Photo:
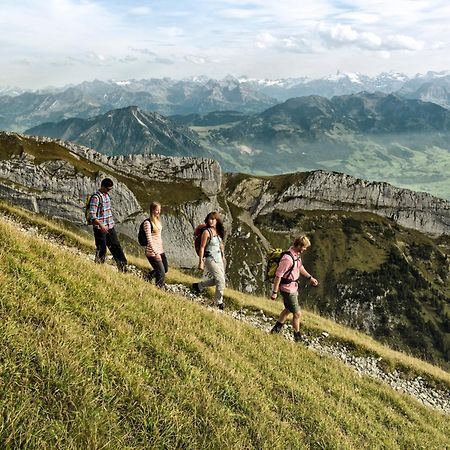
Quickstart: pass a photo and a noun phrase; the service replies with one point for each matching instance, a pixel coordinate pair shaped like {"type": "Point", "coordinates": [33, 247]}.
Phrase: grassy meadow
{"type": "Point", "coordinates": [92, 358]}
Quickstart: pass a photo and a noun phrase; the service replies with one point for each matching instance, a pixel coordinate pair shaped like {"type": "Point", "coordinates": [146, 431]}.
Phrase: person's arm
{"type": "Point", "coordinates": [276, 287]}
{"type": "Point", "coordinates": [201, 252]}
{"type": "Point", "coordinates": [222, 249]}
{"type": "Point", "coordinates": [311, 279]}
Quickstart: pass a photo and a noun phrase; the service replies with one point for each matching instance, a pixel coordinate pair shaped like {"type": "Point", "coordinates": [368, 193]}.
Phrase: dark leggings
{"type": "Point", "coordinates": [160, 268]}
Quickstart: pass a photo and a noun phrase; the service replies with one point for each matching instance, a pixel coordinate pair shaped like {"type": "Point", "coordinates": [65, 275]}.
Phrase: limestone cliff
{"type": "Point", "coordinates": [321, 190]}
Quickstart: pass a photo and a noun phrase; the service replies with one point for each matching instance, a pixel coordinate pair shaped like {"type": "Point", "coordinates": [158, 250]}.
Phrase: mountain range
{"type": "Point", "coordinates": [165, 96]}
{"type": "Point", "coordinates": [20, 110]}
{"type": "Point", "coordinates": [374, 136]}
{"type": "Point", "coordinates": [127, 131]}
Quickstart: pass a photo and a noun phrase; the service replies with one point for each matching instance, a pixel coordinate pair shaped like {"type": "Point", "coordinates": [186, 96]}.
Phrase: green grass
{"type": "Point", "coordinates": [91, 358]}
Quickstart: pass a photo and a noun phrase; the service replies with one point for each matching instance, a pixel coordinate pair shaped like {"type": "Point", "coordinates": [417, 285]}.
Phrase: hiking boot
{"type": "Point", "coordinates": [196, 288]}
{"type": "Point", "coordinates": [221, 306]}
{"type": "Point", "coordinates": [277, 328]}
{"type": "Point", "coordinates": [297, 336]}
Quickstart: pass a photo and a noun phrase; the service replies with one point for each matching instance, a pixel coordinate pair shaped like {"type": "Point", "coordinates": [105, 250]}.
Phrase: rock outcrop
{"type": "Point", "coordinates": [322, 190]}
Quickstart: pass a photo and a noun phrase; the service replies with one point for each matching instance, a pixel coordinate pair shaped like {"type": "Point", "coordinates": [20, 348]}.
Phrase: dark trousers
{"type": "Point", "coordinates": [160, 268]}
{"type": "Point", "coordinates": [110, 240]}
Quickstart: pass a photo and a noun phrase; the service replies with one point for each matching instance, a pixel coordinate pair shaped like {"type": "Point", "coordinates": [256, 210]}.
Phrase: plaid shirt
{"type": "Point", "coordinates": [101, 212]}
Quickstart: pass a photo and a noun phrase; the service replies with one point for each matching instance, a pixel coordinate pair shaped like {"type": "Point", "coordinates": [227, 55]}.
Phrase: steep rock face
{"type": "Point", "coordinates": [57, 185]}
{"type": "Point", "coordinates": [202, 172]}
{"type": "Point", "coordinates": [321, 190]}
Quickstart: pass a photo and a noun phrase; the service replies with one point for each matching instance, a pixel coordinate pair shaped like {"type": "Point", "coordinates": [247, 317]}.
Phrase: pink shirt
{"type": "Point", "coordinates": [284, 266]}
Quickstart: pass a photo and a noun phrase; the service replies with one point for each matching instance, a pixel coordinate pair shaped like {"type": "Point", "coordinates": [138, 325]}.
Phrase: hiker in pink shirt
{"type": "Point", "coordinates": [286, 279]}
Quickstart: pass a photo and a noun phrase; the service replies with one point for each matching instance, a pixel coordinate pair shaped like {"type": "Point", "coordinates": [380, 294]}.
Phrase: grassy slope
{"type": "Point", "coordinates": [92, 358]}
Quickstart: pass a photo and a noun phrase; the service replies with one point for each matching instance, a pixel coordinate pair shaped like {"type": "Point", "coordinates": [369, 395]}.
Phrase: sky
{"type": "Point", "coordinates": [58, 42]}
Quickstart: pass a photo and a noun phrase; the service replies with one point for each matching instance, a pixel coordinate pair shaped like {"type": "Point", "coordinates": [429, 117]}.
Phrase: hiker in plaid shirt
{"type": "Point", "coordinates": [103, 224]}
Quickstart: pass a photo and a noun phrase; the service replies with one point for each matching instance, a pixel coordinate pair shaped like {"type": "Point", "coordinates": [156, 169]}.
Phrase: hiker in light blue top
{"type": "Point", "coordinates": [211, 257]}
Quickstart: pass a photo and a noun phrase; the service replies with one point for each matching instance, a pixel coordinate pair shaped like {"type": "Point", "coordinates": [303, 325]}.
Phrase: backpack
{"type": "Point", "coordinates": [142, 237]}
{"type": "Point", "coordinates": [87, 207]}
{"type": "Point", "coordinates": [273, 259]}
{"type": "Point", "coordinates": [198, 236]}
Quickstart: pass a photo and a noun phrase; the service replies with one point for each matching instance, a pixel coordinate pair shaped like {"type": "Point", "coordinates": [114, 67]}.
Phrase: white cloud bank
{"type": "Point", "coordinates": [86, 39]}
{"type": "Point", "coordinates": [345, 35]}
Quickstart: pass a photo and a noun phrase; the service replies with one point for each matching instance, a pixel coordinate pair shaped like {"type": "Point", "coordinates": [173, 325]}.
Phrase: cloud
{"type": "Point", "coordinates": [293, 44]}
{"type": "Point", "coordinates": [359, 17]}
{"type": "Point", "coordinates": [265, 40]}
{"type": "Point", "coordinates": [402, 42]}
{"type": "Point", "coordinates": [155, 58]}
{"type": "Point", "coordinates": [144, 51]}
{"type": "Point", "coordinates": [94, 59]}
{"type": "Point", "coordinates": [345, 35]}
{"type": "Point", "coordinates": [164, 61]}
{"type": "Point", "coordinates": [257, 37]}
{"type": "Point", "coordinates": [23, 62]}
{"type": "Point", "coordinates": [128, 59]}
{"type": "Point", "coordinates": [438, 45]}
{"type": "Point", "coordinates": [197, 59]}
{"type": "Point", "coordinates": [237, 13]}
{"type": "Point", "coordinates": [170, 32]}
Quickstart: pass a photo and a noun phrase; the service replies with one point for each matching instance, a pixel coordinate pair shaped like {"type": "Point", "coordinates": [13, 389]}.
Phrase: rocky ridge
{"type": "Point", "coordinates": [320, 190]}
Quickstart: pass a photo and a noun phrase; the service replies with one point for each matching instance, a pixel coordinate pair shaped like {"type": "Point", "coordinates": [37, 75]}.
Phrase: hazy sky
{"type": "Point", "coordinates": [55, 42]}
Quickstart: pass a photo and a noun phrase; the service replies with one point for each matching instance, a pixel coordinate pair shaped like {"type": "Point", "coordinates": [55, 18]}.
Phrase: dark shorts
{"type": "Point", "coordinates": [291, 301]}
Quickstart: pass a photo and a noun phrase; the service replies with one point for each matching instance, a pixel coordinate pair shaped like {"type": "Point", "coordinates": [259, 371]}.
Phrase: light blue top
{"type": "Point", "coordinates": [213, 249]}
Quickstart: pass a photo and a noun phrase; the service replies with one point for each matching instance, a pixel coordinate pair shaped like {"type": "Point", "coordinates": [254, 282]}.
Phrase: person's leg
{"type": "Point", "coordinates": [296, 321]}
{"type": "Point", "coordinates": [208, 278]}
{"type": "Point", "coordinates": [217, 272]}
{"type": "Point", "coordinates": [294, 307]}
{"type": "Point", "coordinates": [159, 271]}
{"type": "Point", "coordinates": [290, 301]}
{"type": "Point", "coordinates": [152, 272]}
{"type": "Point", "coordinates": [100, 244]}
{"type": "Point", "coordinates": [165, 263]}
{"type": "Point", "coordinates": [220, 283]}
{"type": "Point", "coordinates": [112, 241]}
{"type": "Point", "coordinates": [281, 321]}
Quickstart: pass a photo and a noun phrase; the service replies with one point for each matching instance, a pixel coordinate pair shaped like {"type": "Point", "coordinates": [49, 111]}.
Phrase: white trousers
{"type": "Point", "coordinates": [214, 275]}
